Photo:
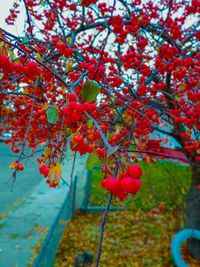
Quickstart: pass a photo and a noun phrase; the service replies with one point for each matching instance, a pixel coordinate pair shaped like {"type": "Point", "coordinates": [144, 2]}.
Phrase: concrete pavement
{"type": "Point", "coordinates": [25, 183]}
{"type": "Point", "coordinates": [36, 210]}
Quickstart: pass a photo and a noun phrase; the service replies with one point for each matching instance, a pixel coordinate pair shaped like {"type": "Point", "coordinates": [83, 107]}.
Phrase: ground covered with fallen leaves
{"type": "Point", "coordinates": [130, 239]}
{"type": "Point", "coordinates": [141, 234]}
{"type": "Point", "coordinates": [136, 236]}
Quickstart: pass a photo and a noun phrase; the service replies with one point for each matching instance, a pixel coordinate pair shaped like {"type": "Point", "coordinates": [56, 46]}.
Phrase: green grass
{"type": "Point", "coordinates": [164, 183]}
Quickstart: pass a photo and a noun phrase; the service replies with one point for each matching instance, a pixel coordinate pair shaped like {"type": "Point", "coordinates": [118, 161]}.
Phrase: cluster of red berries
{"type": "Point", "coordinates": [32, 70]}
{"type": "Point", "coordinates": [87, 2]}
{"type": "Point", "coordinates": [91, 67]}
{"type": "Point", "coordinates": [127, 183]}
{"type": "Point", "coordinates": [62, 48]}
{"type": "Point", "coordinates": [18, 166]}
{"type": "Point", "coordinates": [53, 184]}
{"type": "Point", "coordinates": [44, 170]}
{"type": "Point", "coordinates": [155, 211]}
{"type": "Point", "coordinates": [79, 144]}
{"type": "Point", "coordinates": [73, 111]}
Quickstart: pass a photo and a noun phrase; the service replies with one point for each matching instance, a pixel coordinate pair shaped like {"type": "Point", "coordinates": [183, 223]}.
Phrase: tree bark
{"type": "Point", "coordinates": [192, 215]}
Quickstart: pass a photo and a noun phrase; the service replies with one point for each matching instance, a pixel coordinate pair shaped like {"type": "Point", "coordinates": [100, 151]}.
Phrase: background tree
{"type": "Point", "coordinates": [109, 74]}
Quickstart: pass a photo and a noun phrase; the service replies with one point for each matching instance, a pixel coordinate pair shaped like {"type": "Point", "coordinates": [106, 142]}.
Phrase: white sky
{"type": "Point", "coordinates": [5, 5]}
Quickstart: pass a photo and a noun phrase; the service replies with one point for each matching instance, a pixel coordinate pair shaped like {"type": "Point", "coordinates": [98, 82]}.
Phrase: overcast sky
{"type": "Point", "coordinates": [5, 5]}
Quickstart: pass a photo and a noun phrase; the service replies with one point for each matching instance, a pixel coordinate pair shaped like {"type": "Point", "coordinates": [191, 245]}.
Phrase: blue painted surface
{"type": "Point", "coordinates": [177, 242]}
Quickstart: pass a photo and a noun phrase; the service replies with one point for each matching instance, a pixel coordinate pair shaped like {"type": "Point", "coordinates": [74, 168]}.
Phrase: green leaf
{"type": "Point", "coordinates": [89, 123]}
{"type": "Point", "coordinates": [90, 91]}
{"type": "Point", "coordinates": [52, 114]}
{"type": "Point", "coordinates": [25, 41]}
{"type": "Point", "coordinates": [92, 161]}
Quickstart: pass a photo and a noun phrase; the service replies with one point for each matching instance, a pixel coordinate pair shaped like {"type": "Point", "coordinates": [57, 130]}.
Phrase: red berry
{"type": "Point", "coordinates": [41, 168]}
{"type": "Point", "coordinates": [121, 194]}
{"type": "Point", "coordinates": [78, 138]}
{"type": "Point", "coordinates": [45, 171]}
{"type": "Point", "coordinates": [80, 108]}
{"type": "Point", "coordinates": [135, 171]}
{"type": "Point", "coordinates": [197, 158]}
{"type": "Point", "coordinates": [72, 105]}
{"type": "Point", "coordinates": [90, 148]}
{"type": "Point", "coordinates": [154, 211]}
{"type": "Point", "coordinates": [131, 185]}
{"type": "Point", "coordinates": [160, 207]}
{"type": "Point", "coordinates": [76, 116]}
{"type": "Point", "coordinates": [72, 97]}
{"type": "Point", "coordinates": [103, 183]}
{"type": "Point", "coordinates": [32, 65]}
{"type": "Point", "coordinates": [20, 167]}
{"type": "Point", "coordinates": [113, 185]}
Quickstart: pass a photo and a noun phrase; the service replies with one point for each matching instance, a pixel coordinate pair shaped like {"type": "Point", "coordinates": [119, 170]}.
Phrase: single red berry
{"type": "Point", "coordinates": [103, 183]}
{"type": "Point", "coordinates": [154, 211]}
{"type": "Point", "coordinates": [135, 171]}
{"type": "Point", "coordinates": [78, 138]}
{"type": "Point", "coordinates": [20, 167]}
{"type": "Point", "coordinates": [90, 148]}
{"type": "Point", "coordinates": [41, 168]}
{"type": "Point", "coordinates": [45, 171]}
{"type": "Point", "coordinates": [197, 158]}
{"type": "Point", "coordinates": [131, 185]}
{"type": "Point", "coordinates": [32, 65]}
{"type": "Point", "coordinates": [113, 185]}
{"type": "Point", "coordinates": [76, 116]}
{"type": "Point", "coordinates": [160, 207]}
{"type": "Point", "coordinates": [80, 108]}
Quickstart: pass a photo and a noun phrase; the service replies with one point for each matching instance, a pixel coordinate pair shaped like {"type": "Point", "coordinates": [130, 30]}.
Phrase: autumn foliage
{"type": "Point", "coordinates": [102, 77]}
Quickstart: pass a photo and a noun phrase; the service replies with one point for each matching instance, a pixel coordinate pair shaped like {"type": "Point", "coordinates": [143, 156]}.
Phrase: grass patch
{"type": "Point", "coordinates": [163, 183]}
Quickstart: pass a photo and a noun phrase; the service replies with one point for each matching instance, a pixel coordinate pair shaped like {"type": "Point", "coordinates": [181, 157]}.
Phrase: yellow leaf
{"type": "Point", "coordinates": [55, 172]}
{"type": "Point", "coordinates": [62, 222]}
{"type": "Point", "coordinates": [11, 55]}
{"type": "Point", "coordinates": [1, 43]}
{"type": "Point", "coordinates": [182, 86]}
{"type": "Point", "coordinates": [7, 48]}
{"type": "Point", "coordinates": [68, 40]}
{"type": "Point", "coordinates": [74, 134]}
{"type": "Point", "coordinates": [26, 90]}
{"type": "Point", "coordinates": [38, 57]}
{"type": "Point", "coordinates": [69, 65]}
{"type": "Point", "coordinates": [45, 106]}
{"type": "Point", "coordinates": [12, 166]}
{"type": "Point", "coordinates": [118, 125]}
{"type": "Point", "coordinates": [47, 151]}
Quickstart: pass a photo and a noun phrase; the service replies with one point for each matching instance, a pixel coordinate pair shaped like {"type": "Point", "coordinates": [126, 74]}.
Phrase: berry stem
{"type": "Point", "coordinates": [102, 229]}
{"type": "Point", "coordinates": [104, 218]}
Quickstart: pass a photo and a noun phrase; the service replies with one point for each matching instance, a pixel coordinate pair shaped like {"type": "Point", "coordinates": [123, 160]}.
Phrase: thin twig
{"type": "Point", "coordinates": [106, 39]}
{"type": "Point", "coordinates": [28, 18]}
{"type": "Point", "coordinates": [104, 218]}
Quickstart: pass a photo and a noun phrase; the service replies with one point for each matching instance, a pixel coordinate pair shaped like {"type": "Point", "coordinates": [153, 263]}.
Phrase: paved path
{"type": "Point", "coordinates": [33, 216]}
{"type": "Point", "coordinates": [25, 183]}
